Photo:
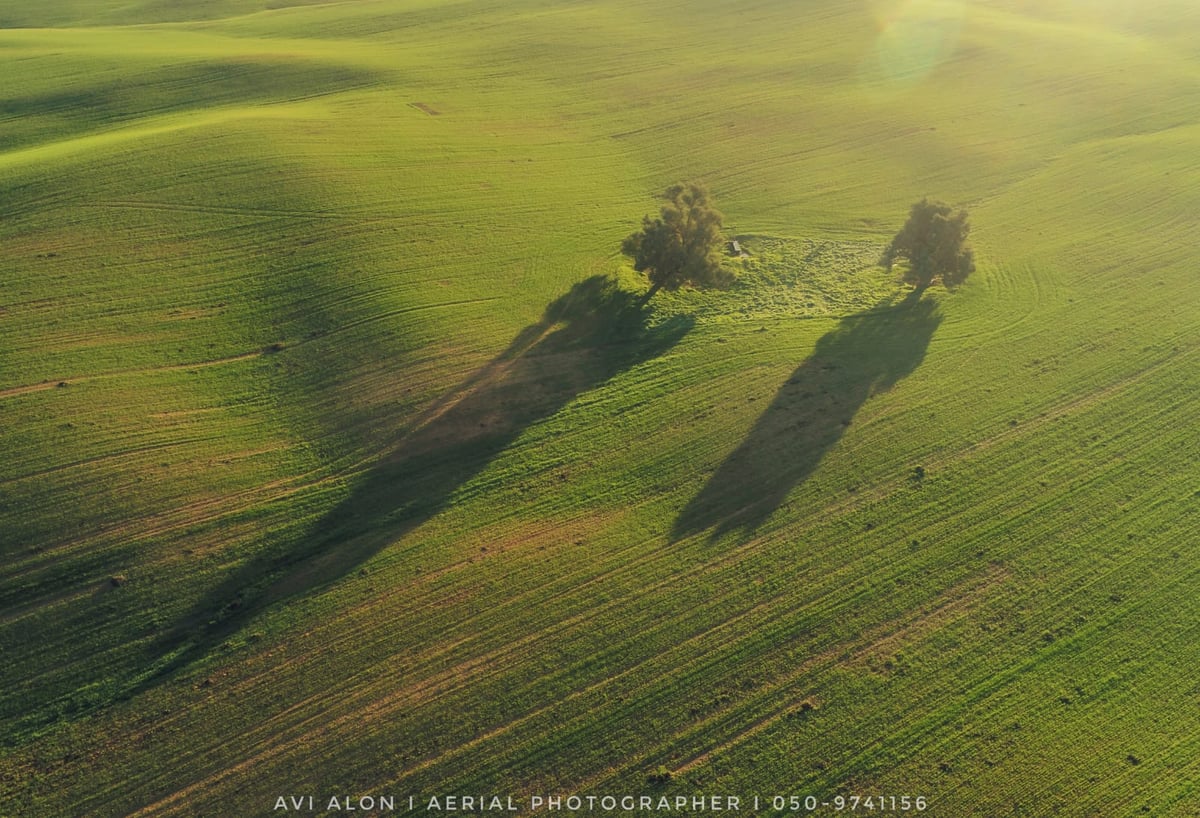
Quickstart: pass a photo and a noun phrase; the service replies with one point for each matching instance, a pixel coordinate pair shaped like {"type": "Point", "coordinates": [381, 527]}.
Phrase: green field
{"type": "Point", "coordinates": [338, 458]}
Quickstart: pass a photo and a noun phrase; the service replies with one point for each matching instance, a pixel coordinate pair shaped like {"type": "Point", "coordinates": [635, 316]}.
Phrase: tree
{"type": "Point", "coordinates": [681, 245]}
{"type": "Point", "coordinates": [935, 244]}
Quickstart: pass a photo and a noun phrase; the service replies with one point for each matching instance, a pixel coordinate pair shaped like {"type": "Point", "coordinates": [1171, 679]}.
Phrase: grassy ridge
{"type": "Point", "coordinates": [393, 514]}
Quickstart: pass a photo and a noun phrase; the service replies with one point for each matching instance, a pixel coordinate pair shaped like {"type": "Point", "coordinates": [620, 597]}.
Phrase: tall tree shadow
{"type": "Point", "coordinates": [583, 339]}
{"type": "Point", "coordinates": [865, 354]}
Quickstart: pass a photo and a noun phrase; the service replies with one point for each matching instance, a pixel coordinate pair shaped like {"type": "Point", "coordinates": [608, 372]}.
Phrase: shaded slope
{"type": "Point", "coordinates": [51, 113]}
{"type": "Point", "coordinates": [1004, 636]}
{"type": "Point", "coordinates": [583, 339]}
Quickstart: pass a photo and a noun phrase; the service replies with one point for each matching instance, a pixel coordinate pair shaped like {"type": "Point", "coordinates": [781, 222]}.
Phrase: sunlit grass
{"type": "Point", "coordinates": [313, 481]}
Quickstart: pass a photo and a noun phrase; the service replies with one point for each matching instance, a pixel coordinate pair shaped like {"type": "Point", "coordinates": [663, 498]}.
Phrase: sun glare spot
{"type": "Point", "coordinates": [915, 36]}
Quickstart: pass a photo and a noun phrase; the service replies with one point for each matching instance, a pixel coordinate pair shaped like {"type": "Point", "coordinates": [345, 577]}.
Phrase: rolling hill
{"type": "Point", "coordinates": [340, 459]}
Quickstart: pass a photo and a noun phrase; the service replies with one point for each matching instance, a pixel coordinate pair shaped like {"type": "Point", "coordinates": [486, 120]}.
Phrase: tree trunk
{"type": "Point", "coordinates": [650, 293]}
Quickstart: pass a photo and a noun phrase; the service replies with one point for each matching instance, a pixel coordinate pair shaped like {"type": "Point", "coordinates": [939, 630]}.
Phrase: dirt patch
{"type": "Point", "coordinates": [424, 108]}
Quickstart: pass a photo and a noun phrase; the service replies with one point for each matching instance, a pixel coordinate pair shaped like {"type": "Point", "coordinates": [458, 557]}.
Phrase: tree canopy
{"type": "Point", "coordinates": [935, 244]}
{"type": "Point", "coordinates": [682, 245]}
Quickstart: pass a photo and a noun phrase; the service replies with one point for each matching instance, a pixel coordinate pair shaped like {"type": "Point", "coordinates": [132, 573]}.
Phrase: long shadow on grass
{"type": "Point", "coordinates": [863, 355]}
{"type": "Point", "coordinates": [583, 339]}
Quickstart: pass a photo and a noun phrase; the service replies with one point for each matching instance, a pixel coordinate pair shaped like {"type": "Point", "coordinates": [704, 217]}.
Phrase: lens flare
{"type": "Point", "coordinates": [915, 36]}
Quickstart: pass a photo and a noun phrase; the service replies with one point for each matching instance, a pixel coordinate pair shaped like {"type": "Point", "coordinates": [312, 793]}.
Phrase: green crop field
{"type": "Point", "coordinates": [339, 457]}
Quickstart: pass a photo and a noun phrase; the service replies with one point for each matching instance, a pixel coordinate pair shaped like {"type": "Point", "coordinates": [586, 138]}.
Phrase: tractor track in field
{"type": "Point", "coordinates": [33, 387]}
{"type": "Point", "coordinates": [469, 672]}
{"type": "Point", "coordinates": [472, 670]}
{"type": "Point", "coordinates": [1009, 291]}
{"type": "Point", "coordinates": [189, 515]}
{"type": "Point", "coordinates": [438, 684]}
{"type": "Point", "coordinates": [248, 212]}
{"type": "Point", "coordinates": [705, 646]}
{"type": "Point", "coordinates": [1047, 416]}
{"type": "Point", "coordinates": [956, 602]}
{"type": "Point", "coordinates": [948, 607]}
{"type": "Point", "coordinates": [728, 639]}
{"type": "Point", "coordinates": [101, 458]}
{"type": "Point", "coordinates": [69, 381]}
{"type": "Point", "coordinates": [445, 682]}
{"type": "Point", "coordinates": [755, 728]}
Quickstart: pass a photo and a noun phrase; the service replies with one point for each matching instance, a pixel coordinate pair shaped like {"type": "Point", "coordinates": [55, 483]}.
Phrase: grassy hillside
{"type": "Point", "coordinates": [340, 459]}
